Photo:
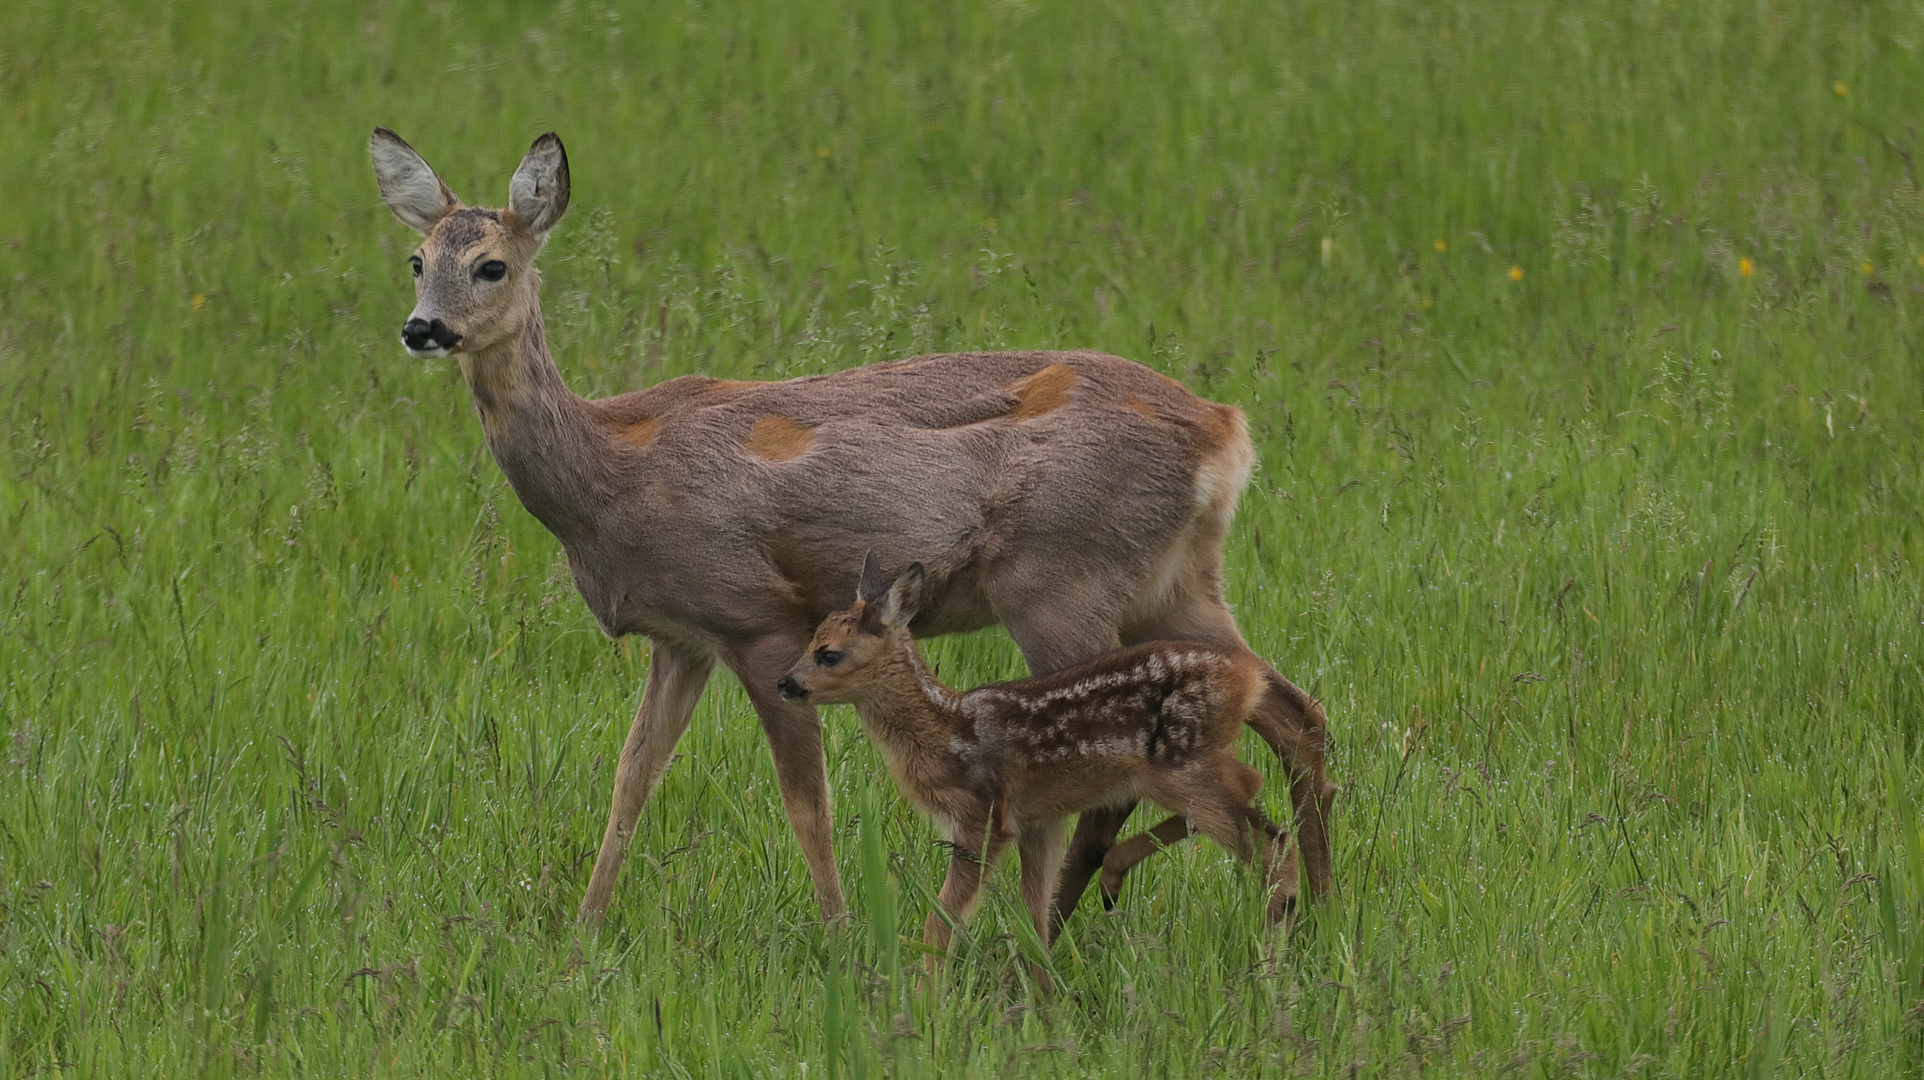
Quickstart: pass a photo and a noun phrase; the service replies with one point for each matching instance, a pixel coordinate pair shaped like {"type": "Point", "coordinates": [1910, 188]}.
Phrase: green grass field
{"type": "Point", "coordinates": [1583, 348]}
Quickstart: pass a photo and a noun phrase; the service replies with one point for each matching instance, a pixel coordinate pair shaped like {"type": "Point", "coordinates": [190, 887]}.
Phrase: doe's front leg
{"type": "Point", "coordinates": [795, 740]}
{"type": "Point", "coordinates": [676, 677]}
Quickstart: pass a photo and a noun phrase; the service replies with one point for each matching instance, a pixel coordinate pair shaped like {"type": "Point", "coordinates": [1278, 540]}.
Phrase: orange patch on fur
{"type": "Point", "coordinates": [1141, 408]}
{"type": "Point", "coordinates": [778, 438]}
{"type": "Point", "coordinates": [1042, 393]}
{"type": "Point", "coordinates": [641, 432]}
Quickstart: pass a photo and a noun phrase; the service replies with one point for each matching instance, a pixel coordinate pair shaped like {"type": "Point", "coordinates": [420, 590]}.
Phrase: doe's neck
{"type": "Point", "coordinates": [541, 432]}
{"type": "Point", "coordinates": [515, 375]}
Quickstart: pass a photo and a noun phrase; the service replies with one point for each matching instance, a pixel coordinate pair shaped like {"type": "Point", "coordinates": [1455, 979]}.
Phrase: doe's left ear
{"type": "Point", "coordinates": [408, 186]}
{"type": "Point", "coordinates": [538, 194]}
{"type": "Point", "coordinates": [905, 597]}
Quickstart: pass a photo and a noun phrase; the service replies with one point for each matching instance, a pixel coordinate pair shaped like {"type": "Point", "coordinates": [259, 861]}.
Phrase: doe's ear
{"type": "Point", "coordinates": [410, 189]}
{"type": "Point", "coordinates": [904, 599]}
{"type": "Point", "coordinates": [538, 194]}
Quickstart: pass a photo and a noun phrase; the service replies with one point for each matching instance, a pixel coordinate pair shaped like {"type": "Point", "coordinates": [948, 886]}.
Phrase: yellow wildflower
{"type": "Point", "coordinates": [1866, 269]}
{"type": "Point", "coordinates": [1516, 273]}
{"type": "Point", "coordinates": [1743, 267]}
{"type": "Point", "coordinates": [1441, 246]}
{"type": "Point", "coordinates": [200, 299]}
{"type": "Point", "coordinates": [1839, 88]}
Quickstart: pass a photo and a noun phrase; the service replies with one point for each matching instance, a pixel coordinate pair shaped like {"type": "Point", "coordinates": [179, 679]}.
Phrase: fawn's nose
{"type": "Point", "coordinates": [790, 689]}
{"type": "Point", "coordinates": [421, 334]}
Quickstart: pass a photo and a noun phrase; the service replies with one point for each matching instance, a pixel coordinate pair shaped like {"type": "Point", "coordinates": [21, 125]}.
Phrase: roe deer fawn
{"type": "Point", "coordinates": [1009, 762]}
{"type": "Point", "coordinates": [1079, 499]}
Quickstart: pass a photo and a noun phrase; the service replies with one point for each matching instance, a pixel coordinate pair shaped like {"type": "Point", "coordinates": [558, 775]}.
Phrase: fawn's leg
{"type": "Point", "coordinates": [1041, 849]}
{"type": "Point", "coordinates": [970, 860]}
{"type": "Point", "coordinates": [960, 890]}
{"type": "Point", "coordinates": [1193, 612]}
{"type": "Point", "coordinates": [1215, 797]}
{"type": "Point", "coordinates": [1278, 863]}
{"type": "Point", "coordinates": [1058, 622]}
{"type": "Point", "coordinates": [1243, 782]}
{"type": "Point", "coordinates": [1094, 839]}
{"type": "Point", "coordinates": [1124, 856]}
{"type": "Point", "coordinates": [1221, 807]}
{"type": "Point", "coordinates": [675, 681]}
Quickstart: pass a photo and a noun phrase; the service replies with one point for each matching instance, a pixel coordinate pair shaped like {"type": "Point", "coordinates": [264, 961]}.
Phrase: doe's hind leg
{"type": "Point", "coordinates": [1293, 724]}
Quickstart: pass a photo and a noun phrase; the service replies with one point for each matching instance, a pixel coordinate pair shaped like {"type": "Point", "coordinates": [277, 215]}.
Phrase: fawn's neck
{"type": "Point", "coordinates": [539, 431]}
{"type": "Point", "coordinates": [907, 709]}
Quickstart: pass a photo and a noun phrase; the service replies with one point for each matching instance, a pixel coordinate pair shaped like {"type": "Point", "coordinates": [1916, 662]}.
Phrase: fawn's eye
{"type": "Point", "coordinates": [415, 261]}
{"type": "Point", "coordinates": [827, 657]}
{"type": "Point", "coordinates": [492, 270]}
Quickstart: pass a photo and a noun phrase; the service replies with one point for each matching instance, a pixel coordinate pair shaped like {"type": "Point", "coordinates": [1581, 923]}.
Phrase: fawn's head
{"type": "Point", "coordinates": [842, 658]}
{"type": "Point", "coordinates": [474, 276]}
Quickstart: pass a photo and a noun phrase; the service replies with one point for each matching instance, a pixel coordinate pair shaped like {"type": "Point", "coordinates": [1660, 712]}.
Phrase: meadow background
{"type": "Point", "coordinates": [1582, 346]}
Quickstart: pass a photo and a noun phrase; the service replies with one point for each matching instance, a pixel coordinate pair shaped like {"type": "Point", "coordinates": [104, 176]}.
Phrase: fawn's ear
{"type": "Point", "coordinates": [904, 598]}
{"type": "Point", "coordinates": [538, 194]}
{"type": "Point", "coordinates": [410, 189]}
{"type": "Point", "coordinates": [874, 587]}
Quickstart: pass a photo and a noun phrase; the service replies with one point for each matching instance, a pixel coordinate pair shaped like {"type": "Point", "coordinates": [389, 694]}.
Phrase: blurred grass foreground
{"type": "Point", "coordinates": [1582, 346]}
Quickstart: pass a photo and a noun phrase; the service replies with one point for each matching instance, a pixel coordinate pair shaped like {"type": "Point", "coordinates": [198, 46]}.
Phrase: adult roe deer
{"type": "Point", "coordinates": [1009, 762]}
{"type": "Point", "coordinates": [1078, 499]}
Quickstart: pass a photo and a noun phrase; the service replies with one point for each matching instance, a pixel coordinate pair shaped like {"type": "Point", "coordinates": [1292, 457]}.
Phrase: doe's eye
{"type": "Point", "coordinates": [827, 657]}
{"type": "Point", "coordinates": [415, 262]}
{"type": "Point", "coordinates": [492, 270]}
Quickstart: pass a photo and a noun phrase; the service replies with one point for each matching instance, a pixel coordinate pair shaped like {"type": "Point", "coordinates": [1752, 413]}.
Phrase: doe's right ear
{"type": "Point", "coordinates": [408, 186]}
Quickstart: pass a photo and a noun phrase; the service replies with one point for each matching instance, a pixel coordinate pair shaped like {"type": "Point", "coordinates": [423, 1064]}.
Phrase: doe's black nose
{"type": "Point", "coordinates": [420, 333]}
{"type": "Point", "coordinates": [790, 689]}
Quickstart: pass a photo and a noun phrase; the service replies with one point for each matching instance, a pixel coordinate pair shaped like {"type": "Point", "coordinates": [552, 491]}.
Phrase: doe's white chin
{"type": "Point", "coordinates": [432, 352]}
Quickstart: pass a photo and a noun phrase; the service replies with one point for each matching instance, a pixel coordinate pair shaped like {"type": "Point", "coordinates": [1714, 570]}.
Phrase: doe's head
{"type": "Point", "coordinates": [842, 658]}
{"type": "Point", "coordinates": [474, 276]}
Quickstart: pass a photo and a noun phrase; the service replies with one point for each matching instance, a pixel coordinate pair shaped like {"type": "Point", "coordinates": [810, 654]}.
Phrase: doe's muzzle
{"type": "Point", "coordinates": [422, 335]}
